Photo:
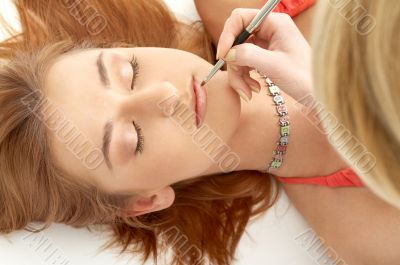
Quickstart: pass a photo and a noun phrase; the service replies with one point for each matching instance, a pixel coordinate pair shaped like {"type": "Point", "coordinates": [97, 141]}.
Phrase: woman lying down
{"type": "Point", "coordinates": [99, 125]}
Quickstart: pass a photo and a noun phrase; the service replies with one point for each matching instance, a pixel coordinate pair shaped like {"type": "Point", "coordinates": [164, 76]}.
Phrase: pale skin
{"type": "Point", "coordinates": [360, 227]}
{"type": "Point", "coordinates": [74, 86]}
{"type": "Point", "coordinates": [215, 13]}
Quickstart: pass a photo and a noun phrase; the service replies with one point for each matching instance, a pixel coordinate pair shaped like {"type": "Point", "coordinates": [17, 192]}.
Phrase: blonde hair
{"type": "Point", "coordinates": [209, 214]}
{"type": "Point", "coordinates": [357, 75]}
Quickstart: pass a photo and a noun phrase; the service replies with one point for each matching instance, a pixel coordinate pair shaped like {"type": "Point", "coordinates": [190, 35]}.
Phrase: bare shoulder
{"type": "Point", "coordinates": [215, 13]}
{"type": "Point", "coordinates": [353, 223]}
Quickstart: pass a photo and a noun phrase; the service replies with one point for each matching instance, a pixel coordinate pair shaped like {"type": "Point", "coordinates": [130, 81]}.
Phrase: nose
{"type": "Point", "coordinates": [153, 101]}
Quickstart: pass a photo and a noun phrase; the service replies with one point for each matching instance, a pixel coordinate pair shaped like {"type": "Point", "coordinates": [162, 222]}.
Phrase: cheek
{"type": "Point", "coordinates": [181, 153]}
{"type": "Point", "coordinates": [172, 156]}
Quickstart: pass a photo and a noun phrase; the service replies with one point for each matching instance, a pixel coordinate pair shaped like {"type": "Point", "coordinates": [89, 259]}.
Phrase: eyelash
{"type": "Point", "coordinates": [135, 68]}
{"type": "Point", "coordinates": [139, 147]}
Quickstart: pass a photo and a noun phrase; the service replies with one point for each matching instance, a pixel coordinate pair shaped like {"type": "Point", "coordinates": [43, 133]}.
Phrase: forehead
{"type": "Point", "coordinates": [72, 83]}
{"type": "Point", "coordinates": [71, 114]}
{"type": "Point", "coordinates": [71, 62]}
{"type": "Point", "coordinates": [68, 71]}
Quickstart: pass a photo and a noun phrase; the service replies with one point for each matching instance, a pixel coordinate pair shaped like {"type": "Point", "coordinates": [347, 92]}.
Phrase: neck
{"type": "Point", "coordinates": [253, 130]}
{"type": "Point", "coordinates": [309, 152]}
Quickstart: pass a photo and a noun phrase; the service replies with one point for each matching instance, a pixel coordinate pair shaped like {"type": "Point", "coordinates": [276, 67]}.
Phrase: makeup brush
{"type": "Point", "coordinates": [258, 19]}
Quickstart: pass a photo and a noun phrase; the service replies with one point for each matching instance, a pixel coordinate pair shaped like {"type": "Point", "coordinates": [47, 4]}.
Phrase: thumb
{"type": "Point", "coordinates": [253, 56]}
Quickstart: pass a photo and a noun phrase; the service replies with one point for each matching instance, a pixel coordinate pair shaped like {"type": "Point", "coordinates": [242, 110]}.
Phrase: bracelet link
{"type": "Point", "coordinates": [284, 124]}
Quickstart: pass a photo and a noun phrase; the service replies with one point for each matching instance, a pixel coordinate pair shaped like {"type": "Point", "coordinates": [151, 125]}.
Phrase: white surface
{"type": "Point", "coordinates": [184, 9]}
{"type": "Point", "coordinates": [271, 239]}
{"type": "Point", "coordinates": [8, 12]}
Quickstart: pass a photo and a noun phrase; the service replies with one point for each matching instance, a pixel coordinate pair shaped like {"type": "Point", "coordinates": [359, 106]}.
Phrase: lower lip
{"type": "Point", "coordinates": [201, 102]}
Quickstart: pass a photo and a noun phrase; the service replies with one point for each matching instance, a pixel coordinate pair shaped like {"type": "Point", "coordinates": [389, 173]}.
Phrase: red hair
{"type": "Point", "coordinates": [209, 213]}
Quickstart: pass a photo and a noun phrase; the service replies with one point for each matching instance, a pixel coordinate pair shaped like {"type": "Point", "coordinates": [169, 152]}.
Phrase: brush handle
{"type": "Point", "coordinates": [242, 38]}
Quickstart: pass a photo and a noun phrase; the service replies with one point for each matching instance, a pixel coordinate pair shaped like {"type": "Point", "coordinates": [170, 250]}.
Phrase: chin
{"type": "Point", "coordinates": [223, 109]}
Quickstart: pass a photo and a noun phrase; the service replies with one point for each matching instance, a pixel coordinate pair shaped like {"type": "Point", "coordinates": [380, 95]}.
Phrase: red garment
{"type": "Point", "coordinates": [293, 7]}
{"type": "Point", "coordinates": [343, 178]}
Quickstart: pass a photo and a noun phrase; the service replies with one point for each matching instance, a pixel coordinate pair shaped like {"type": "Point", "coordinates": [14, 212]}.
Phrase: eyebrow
{"type": "Point", "coordinates": [107, 136]}
{"type": "Point", "coordinates": [109, 126]}
{"type": "Point", "coordinates": [102, 70]}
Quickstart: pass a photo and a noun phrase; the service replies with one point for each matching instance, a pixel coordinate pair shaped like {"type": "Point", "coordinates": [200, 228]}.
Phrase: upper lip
{"type": "Point", "coordinates": [194, 96]}
{"type": "Point", "coordinates": [199, 110]}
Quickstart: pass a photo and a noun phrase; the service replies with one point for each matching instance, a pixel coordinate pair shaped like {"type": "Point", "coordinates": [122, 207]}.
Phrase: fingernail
{"type": "Point", "coordinates": [233, 67]}
{"type": "Point", "coordinates": [217, 56]}
{"type": "Point", "coordinates": [243, 95]}
{"type": "Point", "coordinates": [231, 56]}
{"type": "Point", "coordinates": [255, 89]}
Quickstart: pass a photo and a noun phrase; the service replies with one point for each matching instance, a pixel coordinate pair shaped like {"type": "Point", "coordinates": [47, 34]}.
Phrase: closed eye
{"type": "Point", "coordinates": [140, 142]}
{"type": "Point", "coordinates": [135, 68]}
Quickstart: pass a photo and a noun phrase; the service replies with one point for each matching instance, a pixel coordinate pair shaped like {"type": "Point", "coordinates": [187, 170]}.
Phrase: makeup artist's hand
{"type": "Point", "coordinates": [277, 49]}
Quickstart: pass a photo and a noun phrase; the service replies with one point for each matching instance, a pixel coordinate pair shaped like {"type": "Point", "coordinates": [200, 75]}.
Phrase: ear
{"type": "Point", "coordinates": [154, 201]}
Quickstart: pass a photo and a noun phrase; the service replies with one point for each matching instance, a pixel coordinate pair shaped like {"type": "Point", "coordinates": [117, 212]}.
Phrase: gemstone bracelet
{"type": "Point", "coordinates": [284, 125]}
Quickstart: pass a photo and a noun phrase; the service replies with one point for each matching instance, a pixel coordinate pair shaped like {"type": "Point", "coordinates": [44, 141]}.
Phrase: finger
{"type": "Point", "coordinates": [233, 26]}
{"type": "Point", "coordinates": [240, 18]}
{"type": "Point", "coordinates": [253, 56]}
{"type": "Point", "coordinates": [253, 84]}
{"type": "Point", "coordinates": [235, 76]}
